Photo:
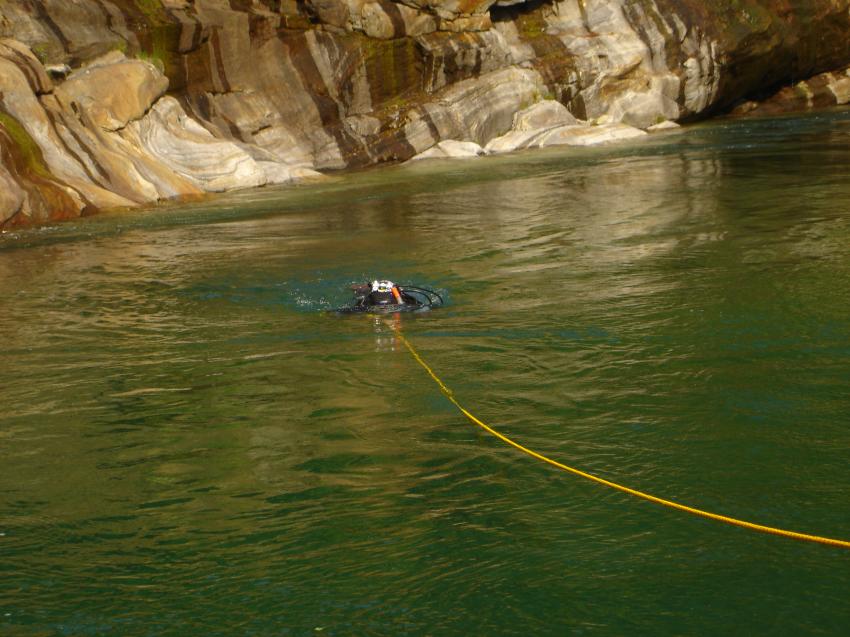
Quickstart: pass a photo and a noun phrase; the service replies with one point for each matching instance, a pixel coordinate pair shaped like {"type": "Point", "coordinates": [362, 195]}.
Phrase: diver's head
{"type": "Point", "coordinates": [382, 286]}
{"type": "Point", "coordinates": [382, 293]}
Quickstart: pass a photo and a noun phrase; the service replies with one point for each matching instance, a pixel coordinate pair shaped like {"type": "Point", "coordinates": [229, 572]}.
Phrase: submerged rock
{"type": "Point", "coordinates": [662, 126]}
{"type": "Point", "coordinates": [450, 148]}
{"type": "Point", "coordinates": [570, 135]}
{"type": "Point", "coordinates": [549, 123]}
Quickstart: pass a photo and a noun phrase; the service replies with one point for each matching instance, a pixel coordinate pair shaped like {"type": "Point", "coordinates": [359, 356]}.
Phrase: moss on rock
{"type": "Point", "coordinates": [47, 198]}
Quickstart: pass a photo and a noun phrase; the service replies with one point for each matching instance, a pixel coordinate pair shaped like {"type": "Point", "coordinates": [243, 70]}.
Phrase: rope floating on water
{"type": "Point", "coordinates": [803, 537]}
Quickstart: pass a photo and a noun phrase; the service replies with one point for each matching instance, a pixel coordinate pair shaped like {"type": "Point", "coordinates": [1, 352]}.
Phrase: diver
{"type": "Point", "coordinates": [382, 296]}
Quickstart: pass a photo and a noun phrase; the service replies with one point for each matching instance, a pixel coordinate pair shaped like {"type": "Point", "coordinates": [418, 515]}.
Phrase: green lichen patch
{"type": "Point", "coordinates": [151, 12]}
{"type": "Point", "coordinates": [157, 31]}
{"type": "Point", "coordinates": [24, 147]}
{"type": "Point", "coordinates": [393, 70]}
{"type": "Point", "coordinates": [21, 156]}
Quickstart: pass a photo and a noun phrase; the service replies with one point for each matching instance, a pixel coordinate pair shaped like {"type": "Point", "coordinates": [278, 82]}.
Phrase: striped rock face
{"type": "Point", "coordinates": [107, 103]}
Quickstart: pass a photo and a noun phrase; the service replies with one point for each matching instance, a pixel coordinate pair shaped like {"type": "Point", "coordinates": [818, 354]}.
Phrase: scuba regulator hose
{"type": "Point", "coordinates": [425, 292]}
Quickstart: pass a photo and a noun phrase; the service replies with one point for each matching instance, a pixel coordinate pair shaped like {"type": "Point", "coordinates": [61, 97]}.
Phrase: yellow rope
{"type": "Point", "coordinates": [640, 494]}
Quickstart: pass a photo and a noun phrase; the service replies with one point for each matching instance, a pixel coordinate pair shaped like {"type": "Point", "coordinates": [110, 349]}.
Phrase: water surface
{"type": "Point", "coordinates": [192, 445]}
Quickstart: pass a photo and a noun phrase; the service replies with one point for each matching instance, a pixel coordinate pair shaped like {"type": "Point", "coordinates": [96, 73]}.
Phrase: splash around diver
{"type": "Point", "coordinates": [385, 297]}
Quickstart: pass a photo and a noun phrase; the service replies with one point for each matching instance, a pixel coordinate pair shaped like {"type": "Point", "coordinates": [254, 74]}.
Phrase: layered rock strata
{"type": "Point", "coordinates": [824, 90]}
{"type": "Point", "coordinates": [109, 103]}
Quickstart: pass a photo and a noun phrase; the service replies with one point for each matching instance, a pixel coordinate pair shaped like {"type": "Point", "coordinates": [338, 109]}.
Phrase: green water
{"type": "Point", "coordinates": [190, 445]}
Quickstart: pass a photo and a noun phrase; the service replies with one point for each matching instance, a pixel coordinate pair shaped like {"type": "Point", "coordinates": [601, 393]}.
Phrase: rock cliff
{"type": "Point", "coordinates": [111, 103]}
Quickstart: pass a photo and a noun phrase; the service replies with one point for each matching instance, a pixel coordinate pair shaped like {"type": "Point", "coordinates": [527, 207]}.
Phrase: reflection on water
{"type": "Point", "coordinates": [192, 443]}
